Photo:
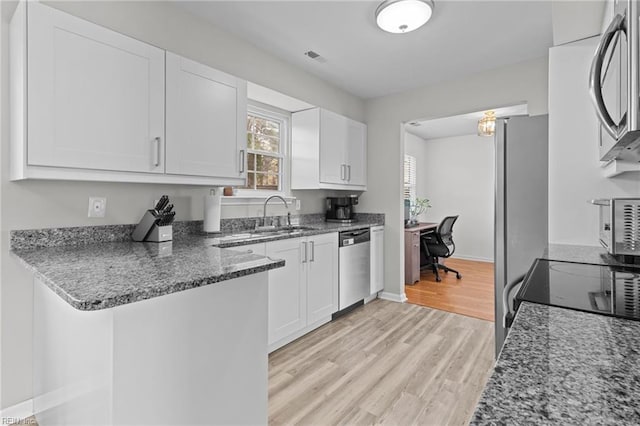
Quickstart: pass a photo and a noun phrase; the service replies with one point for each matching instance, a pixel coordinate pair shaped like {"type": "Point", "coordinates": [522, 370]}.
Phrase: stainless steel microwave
{"type": "Point", "coordinates": [614, 84]}
{"type": "Point", "coordinates": [620, 227]}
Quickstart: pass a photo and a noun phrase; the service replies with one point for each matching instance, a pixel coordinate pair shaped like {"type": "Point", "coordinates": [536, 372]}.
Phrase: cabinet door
{"type": "Point", "coordinates": [287, 289]}
{"type": "Point", "coordinates": [334, 132]}
{"type": "Point", "coordinates": [322, 277]}
{"type": "Point", "coordinates": [206, 120]}
{"type": "Point", "coordinates": [377, 259]}
{"type": "Point", "coordinates": [356, 147]}
{"type": "Point", "coordinates": [95, 97]}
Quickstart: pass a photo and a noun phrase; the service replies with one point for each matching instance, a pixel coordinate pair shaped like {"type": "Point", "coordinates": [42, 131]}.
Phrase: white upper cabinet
{"type": "Point", "coordinates": [89, 103]}
{"type": "Point", "coordinates": [206, 120]}
{"type": "Point", "coordinates": [95, 98]}
{"type": "Point", "coordinates": [328, 151]}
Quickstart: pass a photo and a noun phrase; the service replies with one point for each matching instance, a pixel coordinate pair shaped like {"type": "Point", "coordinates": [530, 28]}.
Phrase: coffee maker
{"type": "Point", "coordinates": [341, 210]}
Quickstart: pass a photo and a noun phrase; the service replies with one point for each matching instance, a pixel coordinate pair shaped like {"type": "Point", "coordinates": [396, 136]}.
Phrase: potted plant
{"type": "Point", "coordinates": [418, 206]}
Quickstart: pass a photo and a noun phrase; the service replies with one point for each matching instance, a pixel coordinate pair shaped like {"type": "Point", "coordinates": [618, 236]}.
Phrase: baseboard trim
{"type": "Point", "coordinates": [374, 296]}
{"type": "Point", "coordinates": [477, 259]}
{"type": "Point", "coordinates": [393, 297]}
{"type": "Point", "coordinates": [17, 412]}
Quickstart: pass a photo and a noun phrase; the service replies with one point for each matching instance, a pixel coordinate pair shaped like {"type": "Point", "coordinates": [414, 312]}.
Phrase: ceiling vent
{"type": "Point", "coordinates": [315, 56]}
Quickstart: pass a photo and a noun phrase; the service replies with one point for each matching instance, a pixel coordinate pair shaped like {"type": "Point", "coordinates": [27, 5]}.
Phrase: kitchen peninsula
{"type": "Point", "coordinates": [133, 333]}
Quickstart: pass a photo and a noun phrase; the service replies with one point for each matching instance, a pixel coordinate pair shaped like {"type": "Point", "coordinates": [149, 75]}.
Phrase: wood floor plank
{"type": "Point", "coordinates": [473, 295]}
{"type": "Point", "coordinates": [387, 363]}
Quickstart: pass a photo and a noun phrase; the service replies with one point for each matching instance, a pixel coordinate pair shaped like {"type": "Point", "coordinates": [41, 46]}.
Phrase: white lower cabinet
{"type": "Point", "coordinates": [287, 295]}
{"type": "Point", "coordinates": [304, 293]}
{"type": "Point", "coordinates": [377, 259]}
{"type": "Point", "coordinates": [322, 277]}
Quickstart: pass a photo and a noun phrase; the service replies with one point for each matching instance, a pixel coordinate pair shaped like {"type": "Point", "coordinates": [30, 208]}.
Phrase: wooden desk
{"type": "Point", "coordinates": [412, 251]}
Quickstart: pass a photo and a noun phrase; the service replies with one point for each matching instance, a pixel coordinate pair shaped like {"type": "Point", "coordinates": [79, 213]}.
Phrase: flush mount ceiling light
{"type": "Point", "coordinates": [403, 16]}
{"type": "Point", "coordinates": [487, 124]}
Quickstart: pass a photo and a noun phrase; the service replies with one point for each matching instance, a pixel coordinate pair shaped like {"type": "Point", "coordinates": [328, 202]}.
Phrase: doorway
{"type": "Point", "coordinates": [448, 163]}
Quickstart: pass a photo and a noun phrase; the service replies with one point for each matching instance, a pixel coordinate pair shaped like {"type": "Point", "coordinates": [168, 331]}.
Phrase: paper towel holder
{"type": "Point", "coordinates": [212, 213]}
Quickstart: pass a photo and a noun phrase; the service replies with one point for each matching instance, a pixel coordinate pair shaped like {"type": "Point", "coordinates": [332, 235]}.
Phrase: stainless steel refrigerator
{"type": "Point", "coordinates": [521, 202]}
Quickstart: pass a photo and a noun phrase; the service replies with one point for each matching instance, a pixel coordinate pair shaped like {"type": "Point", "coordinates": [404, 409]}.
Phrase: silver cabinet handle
{"type": "Point", "coordinates": [156, 157]}
{"type": "Point", "coordinates": [313, 251]}
{"type": "Point", "coordinates": [595, 78]}
{"type": "Point", "coordinates": [349, 173]}
{"type": "Point", "coordinates": [304, 249]}
{"type": "Point", "coordinates": [342, 173]}
{"type": "Point", "coordinates": [242, 161]}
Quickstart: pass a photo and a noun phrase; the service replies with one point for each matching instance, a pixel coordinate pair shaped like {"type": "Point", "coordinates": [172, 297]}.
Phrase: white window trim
{"type": "Point", "coordinates": [252, 195]}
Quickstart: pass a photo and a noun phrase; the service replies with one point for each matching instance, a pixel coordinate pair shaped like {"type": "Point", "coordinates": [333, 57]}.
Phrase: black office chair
{"type": "Point", "coordinates": [439, 244]}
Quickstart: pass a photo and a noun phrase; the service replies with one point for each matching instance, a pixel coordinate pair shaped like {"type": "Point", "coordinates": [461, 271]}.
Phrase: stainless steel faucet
{"type": "Point", "coordinates": [264, 213]}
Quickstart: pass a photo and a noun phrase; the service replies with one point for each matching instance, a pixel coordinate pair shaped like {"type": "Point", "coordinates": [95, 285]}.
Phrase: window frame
{"type": "Point", "coordinates": [275, 114]}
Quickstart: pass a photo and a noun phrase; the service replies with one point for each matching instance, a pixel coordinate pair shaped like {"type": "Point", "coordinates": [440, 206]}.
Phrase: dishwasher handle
{"type": "Point", "coordinates": [349, 238]}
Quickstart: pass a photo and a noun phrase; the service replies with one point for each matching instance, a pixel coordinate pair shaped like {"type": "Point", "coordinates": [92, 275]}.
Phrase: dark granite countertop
{"type": "Point", "coordinates": [108, 274]}
{"type": "Point", "coordinates": [560, 366]}
{"type": "Point", "coordinates": [99, 267]}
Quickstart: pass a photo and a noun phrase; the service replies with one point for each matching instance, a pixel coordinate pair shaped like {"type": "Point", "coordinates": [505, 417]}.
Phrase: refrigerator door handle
{"type": "Point", "coordinates": [509, 313]}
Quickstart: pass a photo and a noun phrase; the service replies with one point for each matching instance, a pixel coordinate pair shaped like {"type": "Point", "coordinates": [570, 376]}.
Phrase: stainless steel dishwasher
{"type": "Point", "coordinates": [354, 266]}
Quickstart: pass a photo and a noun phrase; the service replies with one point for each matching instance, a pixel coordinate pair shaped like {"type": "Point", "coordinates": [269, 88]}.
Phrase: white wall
{"type": "Point", "coordinates": [575, 176]}
{"type": "Point", "coordinates": [38, 204]}
{"type": "Point", "coordinates": [510, 85]}
{"type": "Point", "coordinates": [457, 174]}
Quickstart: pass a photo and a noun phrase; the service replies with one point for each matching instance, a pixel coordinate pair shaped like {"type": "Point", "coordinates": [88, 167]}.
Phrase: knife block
{"type": "Point", "coordinates": [143, 229]}
{"type": "Point", "coordinates": [160, 234]}
{"type": "Point", "coordinates": [147, 230]}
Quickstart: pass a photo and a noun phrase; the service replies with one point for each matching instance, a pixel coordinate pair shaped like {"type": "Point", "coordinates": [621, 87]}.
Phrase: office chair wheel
{"type": "Point", "coordinates": [438, 279]}
{"type": "Point", "coordinates": [458, 276]}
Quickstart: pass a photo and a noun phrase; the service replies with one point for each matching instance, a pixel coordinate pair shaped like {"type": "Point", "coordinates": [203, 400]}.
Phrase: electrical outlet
{"type": "Point", "coordinates": [298, 204]}
{"type": "Point", "coordinates": [97, 206]}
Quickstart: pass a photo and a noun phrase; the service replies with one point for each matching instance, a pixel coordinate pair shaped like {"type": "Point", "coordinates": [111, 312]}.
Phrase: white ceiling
{"type": "Point", "coordinates": [459, 125]}
{"type": "Point", "coordinates": [463, 37]}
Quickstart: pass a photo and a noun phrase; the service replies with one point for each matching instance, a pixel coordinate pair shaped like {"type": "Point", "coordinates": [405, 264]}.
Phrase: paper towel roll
{"type": "Point", "coordinates": [212, 210]}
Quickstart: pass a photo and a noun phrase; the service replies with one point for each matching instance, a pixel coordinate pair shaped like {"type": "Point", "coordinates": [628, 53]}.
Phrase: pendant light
{"type": "Point", "coordinates": [403, 16]}
{"type": "Point", "coordinates": [487, 124]}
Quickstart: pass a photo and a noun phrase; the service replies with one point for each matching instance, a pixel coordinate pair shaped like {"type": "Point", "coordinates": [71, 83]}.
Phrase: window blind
{"type": "Point", "coordinates": [409, 177]}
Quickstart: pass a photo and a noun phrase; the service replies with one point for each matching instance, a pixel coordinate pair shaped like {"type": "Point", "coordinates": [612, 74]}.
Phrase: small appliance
{"type": "Point", "coordinates": [614, 83]}
{"type": "Point", "coordinates": [341, 209]}
{"type": "Point", "coordinates": [619, 231]}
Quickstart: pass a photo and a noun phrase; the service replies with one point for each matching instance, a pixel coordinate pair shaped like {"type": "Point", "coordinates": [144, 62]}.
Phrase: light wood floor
{"type": "Point", "coordinates": [385, 363]}
{"type": "Point", "coordinates": [472, 295]}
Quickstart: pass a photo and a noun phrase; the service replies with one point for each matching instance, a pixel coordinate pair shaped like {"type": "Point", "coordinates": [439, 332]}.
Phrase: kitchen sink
{"type": "Point", "coordinates": [264, 233]}
{"type": "Point", "coordinates": [281, 230]}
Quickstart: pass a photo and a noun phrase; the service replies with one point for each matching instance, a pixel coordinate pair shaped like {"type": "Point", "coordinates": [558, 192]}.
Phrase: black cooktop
{"type": "Point", "coordinates": [608, 290]}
